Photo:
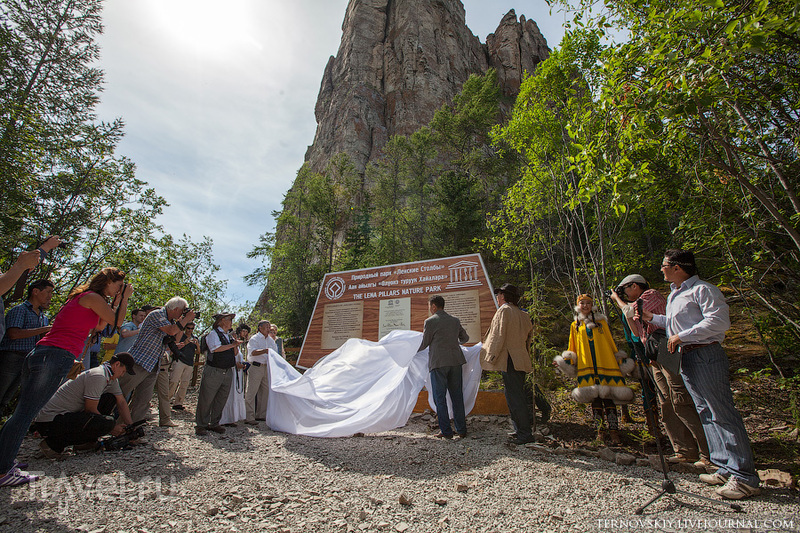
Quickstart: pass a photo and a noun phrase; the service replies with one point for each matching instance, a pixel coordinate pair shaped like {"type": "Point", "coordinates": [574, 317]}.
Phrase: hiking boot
{"type": "Point", "coordinates": [86, 447]}
{"type": "Point", "coordinates": [735, 489]}
{"type": "Point", "coordinates": [200, 431]}
{"type": "Point", "coordinates": [217, 429]}
{"type": "Point", "coordinates": [713, 479]}
{"type": "Point", "coordinates": [49, 452]}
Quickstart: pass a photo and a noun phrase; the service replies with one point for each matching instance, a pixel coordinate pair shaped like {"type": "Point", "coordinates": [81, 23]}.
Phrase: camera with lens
{"type": "Point", "coordinates": [132, 432]}
{"type": "Point", "coordinates": [188, 309]}
{"type": "Point", "coordinates": [620, 292]}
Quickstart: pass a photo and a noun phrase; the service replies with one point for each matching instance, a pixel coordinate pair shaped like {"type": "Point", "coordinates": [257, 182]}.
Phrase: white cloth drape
{"type": "Point", "coordinates": [362, 387]}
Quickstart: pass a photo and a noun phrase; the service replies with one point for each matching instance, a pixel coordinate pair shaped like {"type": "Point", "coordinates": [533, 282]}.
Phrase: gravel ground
{"type": "Point", "coordinates": [254, 479]}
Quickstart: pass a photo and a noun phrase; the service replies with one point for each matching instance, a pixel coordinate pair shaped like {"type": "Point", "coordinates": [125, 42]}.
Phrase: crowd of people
{"type": "Point", "coordinates": [89, 373]}
{"type": "Point", "coordinates": [116, 366]}
{"type": "Point", "coordinates": [677, 341]}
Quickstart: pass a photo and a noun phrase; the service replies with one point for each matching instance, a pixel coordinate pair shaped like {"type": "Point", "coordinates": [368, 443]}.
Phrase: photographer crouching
{"type": "Point", "coordinates": [80, 410]}
{"type": "Point", "coordinates": [678, 414]}
{"type": "Point", "coordinates": [148, 350]}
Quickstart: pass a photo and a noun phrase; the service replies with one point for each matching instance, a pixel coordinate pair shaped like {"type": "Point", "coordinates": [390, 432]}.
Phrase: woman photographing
{"type": "Point", "coordinates": [47, 365]}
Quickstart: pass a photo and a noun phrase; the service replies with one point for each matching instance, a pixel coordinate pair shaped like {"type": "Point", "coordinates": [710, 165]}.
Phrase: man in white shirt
{"type": "Point", "coordinates": [696, 320]}
{"type": "Point", "coordinates": [257, 393]}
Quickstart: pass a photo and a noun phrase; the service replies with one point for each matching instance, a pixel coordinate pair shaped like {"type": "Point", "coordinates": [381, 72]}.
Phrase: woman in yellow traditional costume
{"type": "Point", "coordinates": [593, 359]}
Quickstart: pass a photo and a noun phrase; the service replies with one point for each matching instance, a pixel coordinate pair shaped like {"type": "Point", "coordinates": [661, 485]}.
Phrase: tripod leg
{"type": "Point", "coordinates": [641, 509]}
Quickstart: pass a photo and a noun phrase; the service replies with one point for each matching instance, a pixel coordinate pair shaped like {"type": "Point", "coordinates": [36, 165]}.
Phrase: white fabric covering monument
{"type": "Point", "coordinates": [362, 387]}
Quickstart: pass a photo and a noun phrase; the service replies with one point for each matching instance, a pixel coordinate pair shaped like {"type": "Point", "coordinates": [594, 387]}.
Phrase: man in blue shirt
{"type": "Point", "coordinates": [26, 323]}
{"type": "Point", "coordinates": [696, 320]}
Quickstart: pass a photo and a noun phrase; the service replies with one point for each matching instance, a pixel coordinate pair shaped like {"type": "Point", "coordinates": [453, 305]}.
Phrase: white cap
{"type": "Point", "coordinates": [633, 278]}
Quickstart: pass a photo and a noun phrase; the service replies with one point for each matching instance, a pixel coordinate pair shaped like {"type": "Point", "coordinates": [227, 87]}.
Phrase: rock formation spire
{"type": "Point", "coordinates": [399, 61]}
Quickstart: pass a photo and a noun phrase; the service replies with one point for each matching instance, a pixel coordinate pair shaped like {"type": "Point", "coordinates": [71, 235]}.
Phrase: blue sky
{"type": "Point", "coordinates": [218, 100]}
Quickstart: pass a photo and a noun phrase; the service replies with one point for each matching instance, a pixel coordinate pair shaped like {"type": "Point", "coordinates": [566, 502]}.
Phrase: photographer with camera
{"type": "Point", "coordinates": [80, 410]}
{"type": "Point", "coordinates": [18, 272]}
{"type": "Point", "coordinates": [26, 323]}
{"type": "Point", "coordinates": [217, 375]}
{"type": "Point", "coordinates": [49, 363]}
{"type": "Point", "coordinates": [678, 414]}
{"type": "Point", "coordinates": [148, 350]}
{"type": "Point", "coordinates": [183, 366]}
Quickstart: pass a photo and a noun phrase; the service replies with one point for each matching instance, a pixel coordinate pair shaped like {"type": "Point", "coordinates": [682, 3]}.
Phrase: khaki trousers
{"type": "Point", "coordinates": [179, 381]}
{"type": "Point", "coordinates": [679, 415]}
{"type": "Point", "coordinates": [257, 389]}
{"type": "Point", "coordinates": [162, 389]}
{"type": "Point", "coordinates": [138, 389]}
{"type": "Point", "coordinates": [212, 396]}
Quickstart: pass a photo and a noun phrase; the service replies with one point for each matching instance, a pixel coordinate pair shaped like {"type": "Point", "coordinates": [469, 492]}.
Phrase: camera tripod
{"type": "Point", "coordinates": [667, 486]}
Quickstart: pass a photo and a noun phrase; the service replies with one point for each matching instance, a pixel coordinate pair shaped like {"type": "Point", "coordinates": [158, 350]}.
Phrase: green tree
{"type": "Point", "coordinates": [51, 147]}
{"type": "Point", "coordinates": [557, 219]}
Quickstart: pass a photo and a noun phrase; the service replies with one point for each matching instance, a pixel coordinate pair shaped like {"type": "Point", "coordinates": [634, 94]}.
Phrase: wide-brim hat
{"type": "Point", "coordinates": [219, 316]}
{"type": "Point", "coordinates": [126, 359]}
{"type": "Point", "coordinates": [511, 290]}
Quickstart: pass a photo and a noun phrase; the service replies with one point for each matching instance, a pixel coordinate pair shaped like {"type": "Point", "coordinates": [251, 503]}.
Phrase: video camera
{"type": "Point", "coordinates": [132, 432]}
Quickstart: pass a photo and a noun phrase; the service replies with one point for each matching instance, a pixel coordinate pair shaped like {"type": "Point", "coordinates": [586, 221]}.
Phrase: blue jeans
{"type": "Point", "coordinates": [42, 373]}
{"type": "Point", "coordinates": [10, 370]}
{"type": "Point", "coordinates": [705, 373]}
{"type": "Point", "coordinates": [443, 380]}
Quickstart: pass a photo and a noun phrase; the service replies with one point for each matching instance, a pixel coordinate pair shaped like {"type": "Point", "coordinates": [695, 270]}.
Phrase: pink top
{"type": "Point", "coordinates": [71, 326]}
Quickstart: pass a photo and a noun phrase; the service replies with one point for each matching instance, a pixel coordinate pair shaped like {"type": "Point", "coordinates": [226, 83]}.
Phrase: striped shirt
{"type": "Point", "coordinates": [149, 345]}
{"type": "Point", "coordinates": [23, 316]}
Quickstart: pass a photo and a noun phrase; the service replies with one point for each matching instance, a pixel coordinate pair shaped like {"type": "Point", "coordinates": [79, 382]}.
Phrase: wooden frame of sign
{"type": "Point", "coordinates": [370, 302]}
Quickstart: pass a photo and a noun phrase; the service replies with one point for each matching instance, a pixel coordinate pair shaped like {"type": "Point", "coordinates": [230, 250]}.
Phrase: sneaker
{"type": "Point", "coordinates": [703, 462]}
{"type": "Point", "coordinates": [679, 458]}
{"type": "Point", "coordinates": [713, 479]}
{"type": "Point", "coordinates": [735, 489]}
{"type": "Point", "coordinates": [15, 477]}
{"type": "Point", "coordinates": [49, 452]}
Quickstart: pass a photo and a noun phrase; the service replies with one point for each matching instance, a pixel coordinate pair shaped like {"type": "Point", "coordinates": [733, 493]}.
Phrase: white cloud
{"type": "Point", "coordinates": [219, 106]}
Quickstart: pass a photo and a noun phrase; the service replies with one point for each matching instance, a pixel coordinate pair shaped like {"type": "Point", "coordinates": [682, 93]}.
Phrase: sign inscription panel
{"type": "Point", "coordinates": [369, 303]}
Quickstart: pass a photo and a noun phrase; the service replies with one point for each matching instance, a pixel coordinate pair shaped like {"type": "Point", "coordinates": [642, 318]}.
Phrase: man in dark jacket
{"type": "Point", "coordinates": [443, 336]}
